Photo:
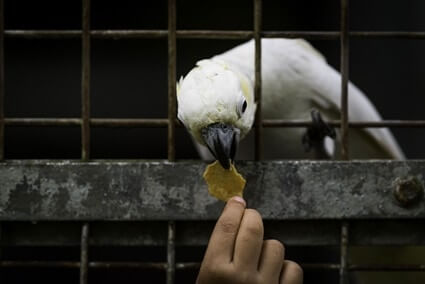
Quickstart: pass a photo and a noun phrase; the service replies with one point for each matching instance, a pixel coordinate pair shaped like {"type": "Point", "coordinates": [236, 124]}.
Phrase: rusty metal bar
{"type": "Point", "coordinates": [171, 252]}
{"type": "Point", "coordinates": [146, 265]}
{"type": "Point", "coordinates": [344, 253]}
{"type": "Point", "coordinates": [344, 79]}
{"type": "Point", "coordinates": [387, 34]}
{"type": "Point", "coordinates": [40, 264]}
{"type": "Point", "coordinates": [196, 265]}
{"type": "Point", "coordinates": [172, 62]}
{"type": "Point", "coordinates": [208, 34]}
{"type": "Point", "coordinates": [179, 266]}
{"type": "Point", "coordinates": [139, 265]}
{"type": "Point", "coordinates": [163, 122]}
{"type": "Point", "coordinates": [382, 267]}
{"type": "Point", "coordinates": [84, 253]}
{"type": "Point", "coordinates": [257, 85]}
{"type": "Point", "coordinates": [334, 35]}
{"type": "Point", "coordinates": [324, 266]}
{"type": "Point", "coordinates": [171, 78]}
{"type": "Point", "coordinates": [1, 231]}
{"type": "Point", "coordinates": [351, 124]}
{"type": "Point", "coordinates": [1, 80]}
{"type": "Point", "coordinates": [85, 83]}
{"type": "Point", "coordinates": [42, 121]}
{"type": "Point", "coordinates": [93, 264]}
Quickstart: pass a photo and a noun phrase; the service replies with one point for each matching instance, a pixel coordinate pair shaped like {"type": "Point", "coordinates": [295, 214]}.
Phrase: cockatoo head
{"type": "Point", "coordinates": [216, 104]}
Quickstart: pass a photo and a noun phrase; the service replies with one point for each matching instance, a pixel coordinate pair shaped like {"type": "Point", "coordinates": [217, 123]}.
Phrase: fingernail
{"type": "Point", "coordinates": [239, 199]}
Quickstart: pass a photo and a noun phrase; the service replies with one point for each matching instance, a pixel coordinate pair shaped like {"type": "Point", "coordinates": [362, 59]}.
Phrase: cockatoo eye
{"type": "Point", "coordinates": [242, 107]}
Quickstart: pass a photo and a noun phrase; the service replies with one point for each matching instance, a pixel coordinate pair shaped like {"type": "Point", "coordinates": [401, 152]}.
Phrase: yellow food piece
{"type": "Point", "coordinates": [223, 184]}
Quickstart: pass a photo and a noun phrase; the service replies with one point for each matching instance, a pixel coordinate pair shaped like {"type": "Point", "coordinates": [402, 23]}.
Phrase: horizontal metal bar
{"type": "Point", "coordinates": [196, 265]}
{"type": "Point", "coordinates": [334, 35]}
{"type": "Point", "coordinates": [160, 190]}
{"type": "Point", "coordinates": [387, 34]}
{"type": "Point", "coordinates": [138, 265]}
{"type": "Point", "coordinates": [96, 122]}
{"type": "Point", "coordinates": [50, 264]}
{"type": "Point", "coordinates": [352, 124]}
{"type": "Point", "coordinates": [208, 34]}
{"type": "Point", "coordinates": [127, 34]}
{"type": "Point", "coordinates": [43, 121]}
{"type": "Point", "coordinates": [91, 264]}
{"type": "Point", "coordinates": [383, 267]}
{"type": "Point", "coordinates": [163, 122]}
{"type": "Point", "coordinates": [197, 233]}
{"type": "Point", "coordinates": [131, 122]}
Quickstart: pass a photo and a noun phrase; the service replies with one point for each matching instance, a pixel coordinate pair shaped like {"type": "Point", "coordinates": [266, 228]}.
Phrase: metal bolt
{"type": "Point", "coordinates": [408, 191]}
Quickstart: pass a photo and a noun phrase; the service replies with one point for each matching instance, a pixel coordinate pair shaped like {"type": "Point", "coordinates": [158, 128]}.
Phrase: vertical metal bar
{"type": "Point", "coordinates": [171, 262]}
{"type": "Point", "coordinates": [344, 253]}
{"type": "Point", "coordinates": [85, 83]}
{"type": "Point", "coordinates": [344, 79]}
{"type": "Point", "coordinates": [257, 86]}
{"type": "Point", "coordinates": [171, 78]}
{"type": "Point", "coordinates": [1, 234]}
{"type": "Point", "coordinates": [84, 253]}
{"type": "Point", "coordinates": [1, 80]}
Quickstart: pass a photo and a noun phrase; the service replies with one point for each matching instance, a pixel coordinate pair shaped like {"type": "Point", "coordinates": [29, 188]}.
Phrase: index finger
{"type": "Point", "coordinates": [222, 241]}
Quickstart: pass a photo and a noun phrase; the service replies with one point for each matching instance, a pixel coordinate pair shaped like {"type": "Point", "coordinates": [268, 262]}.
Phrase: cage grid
{"type": "Point", "coordinates": [340, 227]}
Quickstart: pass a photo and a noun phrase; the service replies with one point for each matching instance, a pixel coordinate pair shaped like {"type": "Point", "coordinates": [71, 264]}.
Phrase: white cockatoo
{"type": "Point", "coordinates": [216, 104]}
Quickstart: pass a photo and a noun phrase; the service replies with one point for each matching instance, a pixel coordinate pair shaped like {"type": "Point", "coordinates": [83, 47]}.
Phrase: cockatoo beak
{"type": "Point", "coordinates": [222, 140]}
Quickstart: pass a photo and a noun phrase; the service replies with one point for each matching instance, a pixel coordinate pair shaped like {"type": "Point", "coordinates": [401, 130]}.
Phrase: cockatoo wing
{"type": "Point", "coordinates": [295, 79]}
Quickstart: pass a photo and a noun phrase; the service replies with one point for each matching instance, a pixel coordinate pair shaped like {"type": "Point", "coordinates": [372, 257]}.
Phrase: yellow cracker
{"type": "Point", "coordinates": [223, 184]}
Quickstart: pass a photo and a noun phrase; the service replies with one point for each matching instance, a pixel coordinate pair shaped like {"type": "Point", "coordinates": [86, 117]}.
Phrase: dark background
{"type": "Point", "coordinates": [129, 77]}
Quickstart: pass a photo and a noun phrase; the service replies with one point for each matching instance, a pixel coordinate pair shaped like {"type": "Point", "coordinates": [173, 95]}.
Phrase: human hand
{"type": "Point", "coordinates": [236, 251]}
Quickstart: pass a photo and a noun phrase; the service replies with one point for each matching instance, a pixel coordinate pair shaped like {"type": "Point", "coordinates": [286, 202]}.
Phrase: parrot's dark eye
{"type": "Point", "coordinates": [244, 105]}
{"type": "Point", "coordinates": [241, 106]}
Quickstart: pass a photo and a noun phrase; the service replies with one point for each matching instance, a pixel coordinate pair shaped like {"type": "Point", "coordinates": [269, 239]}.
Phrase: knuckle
{"type": "Point", "coordinates": [245, 277]}
{"type": "Point", "coordinates": [254, 223]}
{"type": "Point", "coordinates": [295, 268]}
{"type": "Point", "coordinates": [275, 244]}
{"type": "Point", "coordinates": [275, 248]}
{"type": "Point", "coordinates": [227, 226]}
{"type": "Point", "coordinates": [215, 273]}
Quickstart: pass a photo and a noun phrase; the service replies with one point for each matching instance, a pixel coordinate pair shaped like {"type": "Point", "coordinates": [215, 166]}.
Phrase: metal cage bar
{"type": "Point", "coordinates": [344, 253]}
{"type": "Point", "coordinates": [85, 82]}
{"type": "Point", "coordinates": [344, 49]}
{"type": "Point", "coordinates": [196, 265]}
{"type": "Point", "coordinates": [257, 83]}
{"type": "Point", "coordinates": [163, 122]}
{"type": "Point", "coordinates": [209, 34]}
{"type": "Point", "coordinates": [172, 62]}
{"type": "Point", "coordinates": [1, 235]}
{"type": "Point", "coordinates": [1, 80]}
{"type": "Point", "coordinates": [171, 78]}
{"type": "Point", "coordinates": [83, 265]}
{"type": "Point", "coordinates": [85, 124]}
{"type": "Point", "coordinates": [171, 252]}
